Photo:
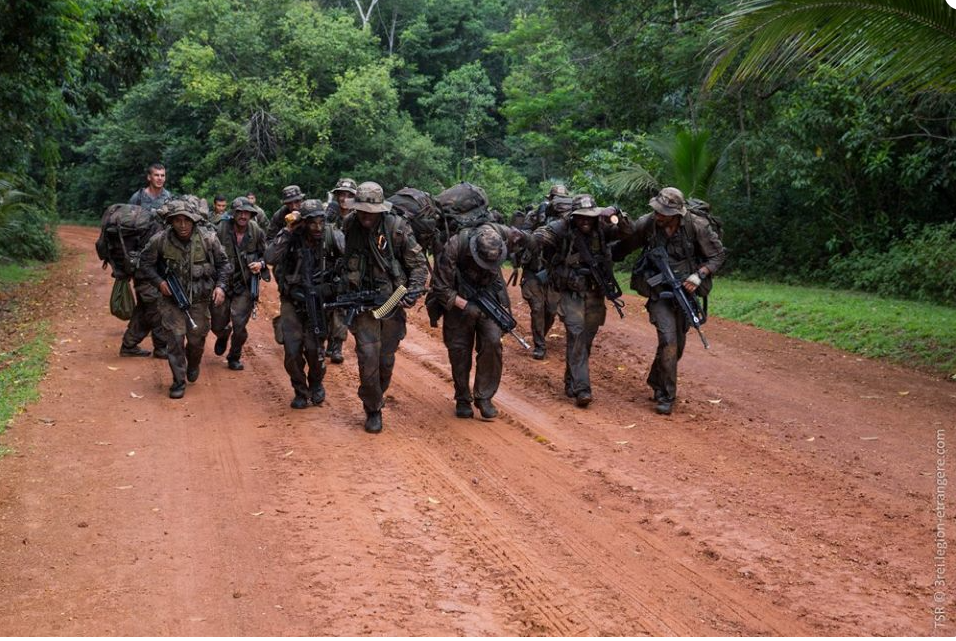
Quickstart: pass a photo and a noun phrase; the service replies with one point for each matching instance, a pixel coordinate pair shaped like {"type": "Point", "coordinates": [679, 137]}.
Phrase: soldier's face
{"type": "Point", "coordinates": [584, 224]}
{"type": "Point", "coordinates": [220, 206]}
{"type": "Point", "coordinates": [251, 198]}
{"type": "Point", "coordinates": [665, 221]}
{"type": "Point", "coordinates": [294, 205]}
{"type": "Point", "coordinates": [182, 226]}
{"type": "Point", "coordinates": [316, 227]}
{"type": "Point", "coordinates": [341, 197]}
{"type": "Point", "coordinates": [156, 178]}
{"type": "Point", "coordinates": [242, 219]}
{"type": "Point", "coordinates": [368, 219]}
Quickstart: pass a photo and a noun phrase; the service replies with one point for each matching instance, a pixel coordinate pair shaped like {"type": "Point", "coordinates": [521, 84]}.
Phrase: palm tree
{"type": "Point", "coordinates": [906, 44]}
{"type": "Point", "coordinates": [689, 165]}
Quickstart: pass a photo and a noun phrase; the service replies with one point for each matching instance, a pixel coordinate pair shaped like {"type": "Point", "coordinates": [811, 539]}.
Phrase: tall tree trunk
{"type": "Point", "coordinates": [743, 141]}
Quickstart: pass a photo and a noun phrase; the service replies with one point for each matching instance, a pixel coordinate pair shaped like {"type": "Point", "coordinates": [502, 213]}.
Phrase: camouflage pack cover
{"type": "Point", "coordinates": [421, 211]}
{"type": "Point", "coordinates": [125, 229]}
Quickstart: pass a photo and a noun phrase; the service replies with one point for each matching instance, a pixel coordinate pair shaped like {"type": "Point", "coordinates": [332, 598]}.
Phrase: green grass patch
{"type": "Point", "coordinates": [921, 335]}
{"type": "Point", "coordinates": [918, 335]}
{"type": "Point", "coordinates": [20, 372]}
{"type": "Point", "coordinates": [16, 273]}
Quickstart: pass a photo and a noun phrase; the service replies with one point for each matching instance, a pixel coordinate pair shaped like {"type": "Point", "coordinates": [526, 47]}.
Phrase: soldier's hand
{"type": "Point", "coordinates": [292, 218]}
{"type": "Point", "coordinates": [409, 300]}
{"type": "Point", "coordinates": [692, 283]}
{"type": "Point", "coordinates": [255, 267]}
{"type": "Point", "coordinates": [164, 289]}
{"type": "Point", "coordinates": [472, 312]}
{"type": "Point", "coordinates": [218, 296]}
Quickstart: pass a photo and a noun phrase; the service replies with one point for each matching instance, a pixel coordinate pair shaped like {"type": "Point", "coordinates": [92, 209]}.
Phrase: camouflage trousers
{"type": "Point", "coordinates": [302, 348]}
{"type": "Point", "coordinates": [146, 318]}
{"type": "Point", "coordinates": [672, 329]}
{"type": "Point", "coordinates": [583, 314]}
{"type": "Point", "coordinates": [376, 342]}
{"type": "Point", "coordinates": [543, 301]}
{"type": "Point", "coordinates": [184, 345]}
{"type": "Point", "coordinates": [235, 311]}
{"type": "Point", "coordinates": [462, 336]}
{"type": "Point", "coordinates": [338, 330]}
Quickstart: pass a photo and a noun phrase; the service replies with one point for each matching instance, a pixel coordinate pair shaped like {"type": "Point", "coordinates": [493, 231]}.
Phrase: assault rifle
{"type": "Point", "coordinates": [179, 294]}
{"type": "Point", "coordinates": [312, 295]}
{"type": "Point", "coordinates": [674, 288]}
{"type": "Point", "coordinates": [254, 281]}
{"type": "Point", "coordinates": [603, 273]}
{"type": "Point", "coordinates": [488, 303]}
{"type": "Point", "coordinates": [372, 300]}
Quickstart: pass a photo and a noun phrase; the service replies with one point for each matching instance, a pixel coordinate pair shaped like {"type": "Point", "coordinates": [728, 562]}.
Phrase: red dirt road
{"type": "Point", "coordinates": [793, 492]}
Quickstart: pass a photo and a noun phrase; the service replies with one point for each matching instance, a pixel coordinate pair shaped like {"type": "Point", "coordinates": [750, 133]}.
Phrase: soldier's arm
{"type": "Point", "coordinates": [709, 247]}
{"type": "Point", "coordinates": [633, 236]}
{"type": "Point", "coordinates": [443, 280]}
{"type": "Point", "coordinates": [276, 223]}
{"type": "Point", "coordinates": [278, 247]}
{"type": "Point", "coordinates": [221, 261]}
{"type": "Point", "coordinates": [413, 258]}
{"type": "Point", "coordinates": [149, 261]}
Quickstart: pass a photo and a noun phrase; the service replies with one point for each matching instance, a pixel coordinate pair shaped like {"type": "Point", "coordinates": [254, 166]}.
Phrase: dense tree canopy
{"type": "Point", "coordinates": [828, 167]}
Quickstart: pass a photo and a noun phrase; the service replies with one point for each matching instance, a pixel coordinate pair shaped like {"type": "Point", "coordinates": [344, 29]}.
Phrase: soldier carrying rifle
{"type": "Point", "coordinates": [189, 266]}
{"type": "Point", "coordinates": [304, 254]}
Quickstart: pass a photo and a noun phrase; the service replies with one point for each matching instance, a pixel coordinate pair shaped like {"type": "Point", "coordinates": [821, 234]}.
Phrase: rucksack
{"type": "Point", "coordinates": [124, 231]}
{"type": "Point", "coordinates": [462, 206]}
{"type": "Point", "coordinates": [422, 213]}
{"type": "Point", "coordinates": [702, 209]}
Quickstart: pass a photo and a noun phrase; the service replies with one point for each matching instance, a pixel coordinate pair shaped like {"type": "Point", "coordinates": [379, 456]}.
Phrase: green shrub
{"type": "Point", "coordinates": [919, 267]}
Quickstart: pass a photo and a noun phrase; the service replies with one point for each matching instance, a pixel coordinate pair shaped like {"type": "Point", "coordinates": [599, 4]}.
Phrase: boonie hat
{"type": "Point", "coordinates": [292, 193]}
{"type": "Point", "coordinates": [584, 205]}
{"type": "Point", "coordinates": [558, 190]}
{"type": "Point", "coordinates": [669, 202]}
{"type": "Point", "coordinates": [242, 204]}
{"type": "Point", "coordinates": [312, 208]}
{"type": "Point", "coordinates": [488, 248]}
{"type": "Point", "coordinates": [369, 197]}
{"type": "Point", "coordinates": [345, 184]}
{"type": "Point", "coordinates": [181, 208]}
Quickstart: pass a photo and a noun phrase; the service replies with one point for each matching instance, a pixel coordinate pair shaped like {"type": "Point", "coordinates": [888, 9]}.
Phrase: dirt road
{"type": "Point", "coordinates": [793, 492]}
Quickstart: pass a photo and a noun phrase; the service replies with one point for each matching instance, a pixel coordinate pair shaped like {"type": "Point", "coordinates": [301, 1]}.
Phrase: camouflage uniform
{"type": "Point", "coordinates": [232, 317]}
{"type": "Point", "coordinates": [582, 306]}
{"type": "Point", "coordinates": [542, 299]}
{"type": "Point", "coordinates": [290, 195]}
{"type": "Point", "coordinates": [694, 251]}
{"type": "Point", "coordinates": [475, 256]}
{"type": "Point", "coordinates": [338, 331]}
{"type": "Point", "coordinates": [380, 258]}
{"type": "Point", "coordinates": [201, 266]}
{"type": "Point", "coordinates": [302, 345]}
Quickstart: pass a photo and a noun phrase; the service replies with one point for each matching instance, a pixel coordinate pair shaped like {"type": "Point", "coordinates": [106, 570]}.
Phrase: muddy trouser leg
{"type": "Point", "coordinates": [145, 319]}
{"type": "Point", "coordinates": [174, 329]}
{"type": "Point", "coordinates": [220, 316]}
{"type": "Point", "coordinates": [458, 333]}
{"type": "Point", "coordinates": [338, 331]}
{"type": "Point", "coordinates": [376, 342]}
{"type": "Point", "coordinates": [488, 359]}
{"type": "Point", "coordinates": [196, 338]}
{"type": "Point", "coordinates": [584, 313]}
{"type": "Point", "coordinates": [671, 337]}
{"type": "Point", "coordinates": [552, 300]}
{"type": "Point", "coordinates": [533, 292]}
{"type": "Point", "coordinates": [240, 310]}
{"type": "Point", "coordinates": [293, 330]}
{"type": "Point", "coordinates": [315, 359]}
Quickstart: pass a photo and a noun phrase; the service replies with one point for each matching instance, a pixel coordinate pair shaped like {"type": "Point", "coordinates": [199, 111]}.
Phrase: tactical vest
{"type": "Point", "coordinates": [226, 231]}
{"type": "Point", "coordinates": [370, 260]}
{"type": "Point", "coordinates": [289, 272]}
{"type": "Point", "coordinates": [569, 270]}
{"type": "Point", "coordinates": [681, 255]}
{"type": "Point", "coordinates": [193, 265]}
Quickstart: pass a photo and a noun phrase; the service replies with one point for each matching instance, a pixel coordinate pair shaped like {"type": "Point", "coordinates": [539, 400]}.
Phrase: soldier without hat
{"type": "Point", "coordinates": [381, 254]}
{"type": "Point", "coordinates": [196, 257]}
{"type": "Point", "coordinates": [292, 198]}
{"type": "Point", "coordinates": [475, 256]}
{"type": "Point", "coordinates": [154, 195]}
{"type": "Point", "coordinates": [694, 253]}
{"type": "Point", "coordinates": [245, 244]}
{"type": "Point", "coordinates": [306, 239]}
{"type": "Point", "coordinates": [578, 241]}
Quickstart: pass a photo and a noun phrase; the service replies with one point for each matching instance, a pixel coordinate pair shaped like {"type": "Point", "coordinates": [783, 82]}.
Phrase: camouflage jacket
{"type": "Point", "coordinates": [456, 262]}
{"type": "Point", "coordinates": [200, 263]}
{"type": "Point", "coordinates": [251, 248]}
{"type": "Point", "coordinates": [382, 258]}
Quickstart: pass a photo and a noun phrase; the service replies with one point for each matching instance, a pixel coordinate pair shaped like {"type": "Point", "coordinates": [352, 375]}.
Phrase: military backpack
{"type": "Point", "coordinates": [422, 213]}
{"type": "Point", "coordinates": [124, 231]}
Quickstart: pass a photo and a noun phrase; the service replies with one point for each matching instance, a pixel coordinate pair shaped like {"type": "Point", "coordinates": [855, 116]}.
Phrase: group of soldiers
{"type": "Point", "coordinates": [351, 264]}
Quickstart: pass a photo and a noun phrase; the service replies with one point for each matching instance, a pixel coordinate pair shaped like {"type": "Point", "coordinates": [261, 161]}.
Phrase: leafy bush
{"type": "Point", "coordinates": [920, 266]}
{"type": "Point", "coordinates": [27, 231]}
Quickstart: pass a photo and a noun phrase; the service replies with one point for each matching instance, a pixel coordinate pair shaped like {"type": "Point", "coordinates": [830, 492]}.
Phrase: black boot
{"type": "Point", "coordinates": [177, 390]}
{"type": "Point", "coordinates": [463, 409]}
{"type": "Point", "coordinates": [486, 408]}
{"type": "Point", "coordinates": [220, 347]}
{"type": "Point", "coordinates": [373, 422]}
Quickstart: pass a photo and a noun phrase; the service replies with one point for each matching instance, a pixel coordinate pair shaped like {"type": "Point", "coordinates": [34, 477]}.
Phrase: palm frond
{"type": "Point", "coordinates": [632, 182]}
{"type": "Point", "coordinates": [907, 44]}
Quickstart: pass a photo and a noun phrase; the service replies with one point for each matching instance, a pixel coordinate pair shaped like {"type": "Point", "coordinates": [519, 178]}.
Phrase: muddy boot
{"type": "Point", "coordinates": [318, 394]}
{"type": "Point", "coordinates": [135, 350]}
{"type": "Point", "coordinates": [665, 406]}
{"type": "Point", "coordinates": [160, 353]}
{"type": "Point", "coordinates": [583, 399]}
{"type": "Point", "coordinates": [539, 353]}
{"type": "Point", "coordinates": [299, 403]}
{"type": "Point", "coordinates": [463, 409]}
{"type": "Point", "coordinates": [334, 352]}
{"type": "Point", "coordinates": [373, 422]}
{"type": "Point", "coordinates": [486, 408]}
{"type": "Point", "coordinates": [177, 389]}
{"type": "Point", "coordinates": [222, 341]}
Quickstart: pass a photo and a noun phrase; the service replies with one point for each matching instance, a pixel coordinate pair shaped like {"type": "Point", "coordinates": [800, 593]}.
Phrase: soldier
{"type": "Point", "coordinates": [292, 198]}
{"type": "Point", "coordinates": [195, 256]}
{"type": "Point", "coordinates": [381, 253]}
{"type": "Point", "coordinates": [580, 244]}
{"type": "Point", "coordinates": [245, 245]}
{"type": "Point", "coordinates": [337, 209]}
{"type": "Point", "coordinates": [343, 191]}
{"type": "Point", "coordinates": [542, 299]}
{"type": "Point", "coordinates": [694, 253]}
{"type": "Point", "coordinates": [307, 238]}
{"type": "Point", "coordinates": [474, 256]}
{"type": "Point", "coordinates": [154, 195]}
{"type": "Point", "coordinates": [218, 209]}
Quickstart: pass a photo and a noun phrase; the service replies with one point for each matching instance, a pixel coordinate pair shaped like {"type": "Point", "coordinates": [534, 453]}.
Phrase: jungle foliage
{"type": "Point", "coordinates": [828, 154]}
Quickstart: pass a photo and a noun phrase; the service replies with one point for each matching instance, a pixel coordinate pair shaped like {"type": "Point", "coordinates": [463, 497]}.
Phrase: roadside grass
{"type": "Point", "coordinates": [918, 335]}
{"type": "Point", "coordinates": [20, 372]}
{"type": "Point", "coordinates": [13, 273]}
